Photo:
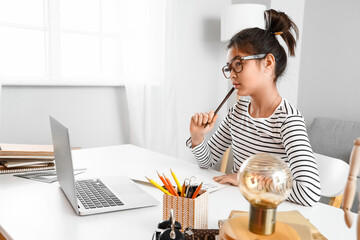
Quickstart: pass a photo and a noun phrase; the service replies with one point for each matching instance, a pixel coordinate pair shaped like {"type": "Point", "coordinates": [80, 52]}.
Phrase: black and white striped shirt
{"type": "Point", "coordinates": [282, 134]}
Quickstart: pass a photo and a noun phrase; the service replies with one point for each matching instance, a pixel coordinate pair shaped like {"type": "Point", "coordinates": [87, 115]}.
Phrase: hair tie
{"type": "Point", "coordinates": [278, 33]}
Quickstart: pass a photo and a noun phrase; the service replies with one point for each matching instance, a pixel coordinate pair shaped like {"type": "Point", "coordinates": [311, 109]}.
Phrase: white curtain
{"type": "Point", "coordinates": [148, 74]}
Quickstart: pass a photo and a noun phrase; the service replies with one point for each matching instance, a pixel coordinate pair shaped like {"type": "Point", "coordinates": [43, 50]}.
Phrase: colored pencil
{"type": "Point", "coordinates": [183, 190]}
{"type": "Point", "coordinates": [172, 189]}
{"type": "Point", "coordinates": [164, 182]}
{"type": "Point", "coordinates": [176, 180]}
{"type": "Point", "coordinates": [158, 186]}
{"type": "Point", "coordinates": [197, 191]}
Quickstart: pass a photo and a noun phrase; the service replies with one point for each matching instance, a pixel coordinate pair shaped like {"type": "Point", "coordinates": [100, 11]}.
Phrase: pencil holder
{"type": "Point", "coordinates": [189, 212]}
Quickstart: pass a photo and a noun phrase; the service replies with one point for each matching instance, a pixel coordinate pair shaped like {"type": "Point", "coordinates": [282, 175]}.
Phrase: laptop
{"type": "Point", "coordinates": [92, 196]}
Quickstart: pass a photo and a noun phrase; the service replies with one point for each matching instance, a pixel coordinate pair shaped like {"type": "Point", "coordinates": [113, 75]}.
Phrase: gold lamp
{"type": "Point", "coordinates": [265, 181]}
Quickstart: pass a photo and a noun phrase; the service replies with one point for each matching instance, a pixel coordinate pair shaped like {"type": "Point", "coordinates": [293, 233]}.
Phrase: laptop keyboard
{"type": "Point", "coordinates": [92, 193]}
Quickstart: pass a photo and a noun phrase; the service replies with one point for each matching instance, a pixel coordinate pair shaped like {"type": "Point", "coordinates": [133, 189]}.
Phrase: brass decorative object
{"type": "Point", "coordinates": [265, 181]}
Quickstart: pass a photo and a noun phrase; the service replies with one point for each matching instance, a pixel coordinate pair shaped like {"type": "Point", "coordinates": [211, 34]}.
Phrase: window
{"type": "Point", "coordinates": [60, 42]}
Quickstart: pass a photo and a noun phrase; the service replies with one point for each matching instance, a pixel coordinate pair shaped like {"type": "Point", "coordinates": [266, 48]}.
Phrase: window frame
{"type": "Point", "coordinates": [52, 35]}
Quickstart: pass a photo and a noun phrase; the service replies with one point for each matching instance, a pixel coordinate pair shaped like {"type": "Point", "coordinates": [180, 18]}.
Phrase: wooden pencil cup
{"type": "Point", "coordinates": [189, 212]}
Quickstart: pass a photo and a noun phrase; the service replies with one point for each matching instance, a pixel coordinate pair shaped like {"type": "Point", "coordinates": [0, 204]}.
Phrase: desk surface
{"type": "Point", "coordinates": [36, 210]}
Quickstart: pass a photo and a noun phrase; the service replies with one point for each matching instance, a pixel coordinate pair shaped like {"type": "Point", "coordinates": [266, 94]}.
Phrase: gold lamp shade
{"type": "Point", "coordinates": [265, 181]}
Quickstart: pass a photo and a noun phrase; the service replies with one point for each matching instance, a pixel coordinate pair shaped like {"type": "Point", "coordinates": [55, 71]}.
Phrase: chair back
{"type": "Point", "coordinates": [333, 175]}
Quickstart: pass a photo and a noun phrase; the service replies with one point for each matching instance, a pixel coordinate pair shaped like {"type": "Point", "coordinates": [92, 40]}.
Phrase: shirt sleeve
{"type": "Point", "coordinates": [306, 182]}
{"type": "Point", "coordinates": [208, 154]}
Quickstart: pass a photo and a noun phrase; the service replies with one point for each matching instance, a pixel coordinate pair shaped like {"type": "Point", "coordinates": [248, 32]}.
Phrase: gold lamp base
{"type": "Point", "coordinates": [262, 220]}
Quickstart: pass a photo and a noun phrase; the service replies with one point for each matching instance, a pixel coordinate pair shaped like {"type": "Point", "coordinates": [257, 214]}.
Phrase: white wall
{"type": "Point", "coordinates": [330, 77]}
{"type": "Point", "coordinates": [95, 116]}
{"type": "Point", "coordinates": [200, 55]}
{"type": "Point", "coordinates": [288, 84]}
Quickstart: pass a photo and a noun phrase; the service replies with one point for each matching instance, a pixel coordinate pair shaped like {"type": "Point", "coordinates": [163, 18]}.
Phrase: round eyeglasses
{"type": "Point", "coordinates": [236, 64]}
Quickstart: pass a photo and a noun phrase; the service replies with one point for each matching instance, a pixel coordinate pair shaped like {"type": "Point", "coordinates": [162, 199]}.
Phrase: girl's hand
{"type": "Point", "coordinates": [197, 123]}
{"type": "Point", "coordinates": [228, 178]}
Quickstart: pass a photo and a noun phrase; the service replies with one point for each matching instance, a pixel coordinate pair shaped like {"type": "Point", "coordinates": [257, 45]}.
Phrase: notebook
{"type": "Point", "coordinates": [26, 149]}
{"type": "Point", "coordinates": [49, 176]}
{"type": "Point", "coordinates": [13, 164]}
{"type": "Point", "coordinates": [5, 170]}
{"type": "Point", "coordinates": [92, 196]}
{"type": "Point", "coordinates": [17, 158]}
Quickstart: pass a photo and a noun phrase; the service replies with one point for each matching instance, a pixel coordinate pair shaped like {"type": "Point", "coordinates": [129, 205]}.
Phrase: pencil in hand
{"type": "Point", "coordinates": [222, 103]}
{"type": "Point", "coordinates": [218, 108]}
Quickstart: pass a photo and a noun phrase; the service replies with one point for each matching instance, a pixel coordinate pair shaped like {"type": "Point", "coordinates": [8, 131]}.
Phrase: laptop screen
{"type": "Point", "coordinates": [63, 160]}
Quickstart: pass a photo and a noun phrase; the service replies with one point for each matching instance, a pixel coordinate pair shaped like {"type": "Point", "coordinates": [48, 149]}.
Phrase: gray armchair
{"type": "Point", "coordinates": [334, 138]}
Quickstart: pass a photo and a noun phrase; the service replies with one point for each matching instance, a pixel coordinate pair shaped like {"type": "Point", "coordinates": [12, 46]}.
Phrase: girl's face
{"type": "Point", "coordinates": [248, 81]}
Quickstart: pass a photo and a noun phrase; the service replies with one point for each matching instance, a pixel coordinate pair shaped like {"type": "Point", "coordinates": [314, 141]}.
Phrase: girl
{"type": "Point", "coordinates": [265, 124]}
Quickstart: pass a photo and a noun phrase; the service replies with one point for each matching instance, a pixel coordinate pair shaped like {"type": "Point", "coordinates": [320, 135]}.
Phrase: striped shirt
{"type": "Point", "coordinates": [282, 134]}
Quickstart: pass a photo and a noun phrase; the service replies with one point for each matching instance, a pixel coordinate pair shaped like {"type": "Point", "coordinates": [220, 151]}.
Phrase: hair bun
{"type": "Point", "coordinates": [278, 23]}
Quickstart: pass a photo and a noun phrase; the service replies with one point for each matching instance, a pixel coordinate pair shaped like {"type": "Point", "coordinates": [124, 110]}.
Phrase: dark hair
{"type": "Point", "coordinates": [257, 41]}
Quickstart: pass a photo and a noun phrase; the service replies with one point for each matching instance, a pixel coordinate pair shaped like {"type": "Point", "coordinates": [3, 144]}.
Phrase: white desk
{"type": "Point", "coordinates": [36, 210]}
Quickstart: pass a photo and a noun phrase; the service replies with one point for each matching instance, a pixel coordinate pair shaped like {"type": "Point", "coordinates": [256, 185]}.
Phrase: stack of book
{"type": "Point", "coordinates": [16, 158]}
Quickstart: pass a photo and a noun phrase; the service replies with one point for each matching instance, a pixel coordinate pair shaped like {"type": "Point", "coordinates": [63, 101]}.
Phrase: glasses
{"type": "Point", "coordinates": [236, 64]}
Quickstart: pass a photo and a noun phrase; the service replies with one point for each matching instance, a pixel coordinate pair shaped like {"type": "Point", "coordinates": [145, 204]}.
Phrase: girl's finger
{"type": "Point", "coordinates": [195, 118]}
{"type": "Point", "coordinates": [229, 180]}
{"type": "Point", "coordinates": [200, 120]}
{"type": "Point", "coordinates": [225, 180]}
{"type": "Point", "coordinates": [218, 178]}
{"type": "Point", "coordinates": [211, 115]}
{"type": "Point", "coordinates": [205, 118]}
{"type": "Point", "coordinates": [213, 121]}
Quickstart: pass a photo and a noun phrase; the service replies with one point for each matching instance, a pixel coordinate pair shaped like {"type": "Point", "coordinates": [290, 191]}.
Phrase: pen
{"type": "Point", "coordinates": [176, 180]}
{"type": "Point", "coordinates": [164, 182]}
{"type": "Point", "coordinates": [158, 186]}
{"type": "Point", "coordinates": [174, 192]}
{"type": "Point", "coordinates": [196, 191]}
